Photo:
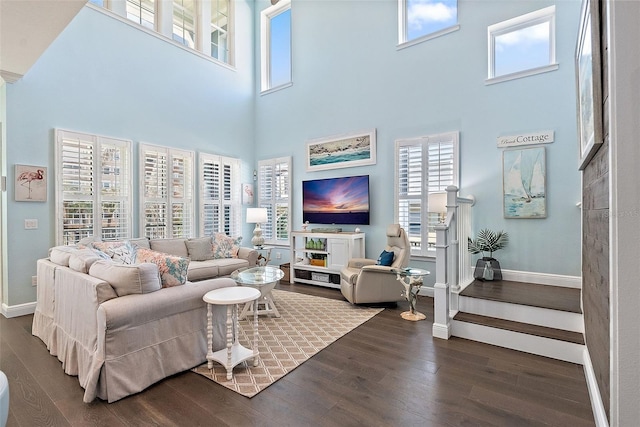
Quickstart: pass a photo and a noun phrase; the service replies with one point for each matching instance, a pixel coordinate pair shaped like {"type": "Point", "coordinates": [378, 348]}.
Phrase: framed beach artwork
{"type": "Point", "coordinates": [342, 151]}
{"type": "Point", "coordinates": [31, 183]}
{"type": "Point", "coordinates": [524, 183]}
{"type": "Point", "coordinates": [588, 82]}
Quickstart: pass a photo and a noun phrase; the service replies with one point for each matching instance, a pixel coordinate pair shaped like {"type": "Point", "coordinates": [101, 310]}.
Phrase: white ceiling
{"type": "Point", "coordinates": [27, 28]}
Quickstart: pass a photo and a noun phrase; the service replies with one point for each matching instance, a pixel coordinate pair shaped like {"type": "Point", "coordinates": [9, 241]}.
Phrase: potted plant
{"type": "Point", "coordinates": [488, 268]}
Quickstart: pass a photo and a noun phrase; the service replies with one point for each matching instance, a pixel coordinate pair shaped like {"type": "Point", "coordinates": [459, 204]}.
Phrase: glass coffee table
{"type": "Point", "coordinates": [412, 279]}
{"type": "Point", "coordinates": [264, 279]}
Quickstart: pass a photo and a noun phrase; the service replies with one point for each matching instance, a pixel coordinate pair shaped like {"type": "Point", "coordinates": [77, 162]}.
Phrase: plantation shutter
{"type": "Point", "coordinates": [273, 194]}
{"type": "Point", "coordinates": [220, 210]}
{"type": "Point", "coordinates": [92, 187]}
{"type": "Point", "coordinates": [423, 166]}
{"type": "Point", "coordinates": [167, 192]}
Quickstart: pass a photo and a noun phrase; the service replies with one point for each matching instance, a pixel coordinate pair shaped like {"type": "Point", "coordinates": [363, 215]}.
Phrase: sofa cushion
{"type": "Point", "coordinates": [200, 249]}
{"type": "Point", "coordinates": [224, 246]}
{"type": "Point", "coordinates": [173, 269]}
{"type": "Point", "coordinates": [127, 279]}
{"type": "Point", "coordinates": [200, 270]}
{"type": "Point", "coordinates": [83, 259]}
{"type": "Point", "coordinates": [122, 252]}
{"type": "Point", "coordinates": [60, 254]}
{"type": "Point", "coordinates": [175, 247]}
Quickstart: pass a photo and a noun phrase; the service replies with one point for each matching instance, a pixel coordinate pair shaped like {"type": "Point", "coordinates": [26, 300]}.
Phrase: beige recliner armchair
{"type": "Point", "coordinates": [362, 281]}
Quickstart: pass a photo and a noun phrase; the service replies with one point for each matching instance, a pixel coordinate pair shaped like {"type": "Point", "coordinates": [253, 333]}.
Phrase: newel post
{"type": "Point", "coordinates": [452, 212]}
{"type": "Point", "coordinates": [441, 324]}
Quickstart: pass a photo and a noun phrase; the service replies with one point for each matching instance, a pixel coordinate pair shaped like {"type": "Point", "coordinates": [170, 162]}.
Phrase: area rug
{"type": "Point", "coordinates": [307, 325]}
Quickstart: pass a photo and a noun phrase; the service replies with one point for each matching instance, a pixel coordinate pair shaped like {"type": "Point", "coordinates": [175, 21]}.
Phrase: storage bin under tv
{"type": "Point", "coordinates": [317, 258]}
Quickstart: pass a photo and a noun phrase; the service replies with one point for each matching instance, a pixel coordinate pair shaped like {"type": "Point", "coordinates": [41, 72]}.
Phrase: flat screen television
{"type": "Point", "coordinates": [343, 200]}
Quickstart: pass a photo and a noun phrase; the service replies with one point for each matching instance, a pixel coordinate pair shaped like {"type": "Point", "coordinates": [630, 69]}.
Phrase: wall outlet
{"type": "Point", "coordinates": [34, 280]}
{"type": "Point", "coordinates": [30, 224]}
{"type": "Point", "coordinates": [278, 255]}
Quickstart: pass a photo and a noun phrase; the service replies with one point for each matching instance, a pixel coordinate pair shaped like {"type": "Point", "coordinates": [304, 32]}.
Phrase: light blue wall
{"type": "Point", "coordinates": [349, 76]}
{"type": "Point", "coordinates": [101, 76]}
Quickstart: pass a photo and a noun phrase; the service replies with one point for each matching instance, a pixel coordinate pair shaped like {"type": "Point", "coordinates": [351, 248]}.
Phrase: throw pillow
{"type": "Point", "coordinates": [122, 252]}
{"type": "Point", "coordinates": [200, 249]}
{"type": "Point", "coordinates": [172, 269]}
{"type": "Point", "coordinates": [127, 279]}
{"type": "Point", "coordinates": [385, 258]}
{"type": "Point", "coordinates": [224, 246]}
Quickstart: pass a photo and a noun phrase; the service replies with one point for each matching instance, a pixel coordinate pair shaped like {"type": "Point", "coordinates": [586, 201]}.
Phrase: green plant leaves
{"type": "Point", "coordinates": [488, 241]}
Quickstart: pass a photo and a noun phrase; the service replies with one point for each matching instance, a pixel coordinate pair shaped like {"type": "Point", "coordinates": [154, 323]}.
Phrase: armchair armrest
{"type": "Point", "coordinates": [360, 262]}
{"type": "Point", "coordinates": [249, 254]}
{"type": "Point", "coordinates": [378, 269]}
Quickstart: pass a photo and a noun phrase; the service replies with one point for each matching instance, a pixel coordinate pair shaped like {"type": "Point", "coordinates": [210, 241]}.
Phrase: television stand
{"type": "Point", "coordinates": [317, 258]}
{"type": "Point", "coordinates": [326, 230]}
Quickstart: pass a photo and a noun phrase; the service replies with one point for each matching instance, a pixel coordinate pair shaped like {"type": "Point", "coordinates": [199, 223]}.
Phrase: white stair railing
{"type": "Point", "coordinates": [453, 261]}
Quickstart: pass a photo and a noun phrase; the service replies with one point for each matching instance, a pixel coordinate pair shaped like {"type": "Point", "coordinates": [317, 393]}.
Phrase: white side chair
{"type": "Point", "coordinates": [4, 399]}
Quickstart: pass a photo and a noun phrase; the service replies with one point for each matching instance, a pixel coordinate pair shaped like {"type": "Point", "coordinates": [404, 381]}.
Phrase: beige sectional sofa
{"type": "Point", "coordinates": [117, 324]}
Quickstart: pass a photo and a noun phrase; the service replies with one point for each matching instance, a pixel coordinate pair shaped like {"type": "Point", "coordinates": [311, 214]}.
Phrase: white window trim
{"type": "Point", "coordinates": [170, 152]}
{"type": "Point", "coordinates": [425, 251]}
{"type": "Point", "coordinates": [403, 43]}
{"type": "Point", "coordinates": [96, 198]}
{"type": "Point", "coordinates": [235, 225]}
{"type": "Point", "coordinates": [273, 201]}
{"type": "Point", "coordinates": [265, 44]}
{"type": "Point", "coordinates": [548, 14]}
{"type": "Point", "coordinates": [164, 31]}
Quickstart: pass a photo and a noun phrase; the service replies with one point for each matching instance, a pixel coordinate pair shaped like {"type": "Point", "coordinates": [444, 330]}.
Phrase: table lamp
{"type": "Point", "coordinates": [257, 216]}
{"type": "Point", "coordinates": [438, 204]}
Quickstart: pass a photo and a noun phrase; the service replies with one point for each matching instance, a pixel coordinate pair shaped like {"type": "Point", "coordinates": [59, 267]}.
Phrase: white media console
{"type": "Point", "coordinates": [317, 258]}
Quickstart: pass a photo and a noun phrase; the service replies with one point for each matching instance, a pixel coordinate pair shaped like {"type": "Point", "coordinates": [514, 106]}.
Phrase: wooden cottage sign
{"type": "Point", "coordinates": [544, 137]}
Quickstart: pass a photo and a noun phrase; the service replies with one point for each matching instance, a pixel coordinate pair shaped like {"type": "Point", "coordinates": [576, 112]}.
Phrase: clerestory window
{"type": "Point", "coordinates": [522, 46]}
{"type": "Point", "coordinates": [421, 20]}
{"type": "Point", "coordinates": [276, 46]}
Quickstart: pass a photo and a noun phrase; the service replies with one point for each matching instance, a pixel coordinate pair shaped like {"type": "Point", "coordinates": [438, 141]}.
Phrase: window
{"type": "Point", "coordinates": [142, 12]}
{"type": "Point", "coordinates": [93, 190]}
{"type": "Point", "coordinates": [220, 207]}
{"type": "Point", "coordinates": [422, 20]}
{"type": "Point", "coordinates": [522, 46]}
{"type": "Point", "coordinates": [184, 22]}
{"type": "Point", "coordinates": [424, 166]}
{"type": "Point", "coordinates": [203, 26]}
{"type": "Point", "coordinates": [274, 186]}
{"type": "Point", "coordinates": [166, 192]}
{"type": "Point", "coordinates": [276, 46]}
{"type": "Point", "coordinates": [220, 30]}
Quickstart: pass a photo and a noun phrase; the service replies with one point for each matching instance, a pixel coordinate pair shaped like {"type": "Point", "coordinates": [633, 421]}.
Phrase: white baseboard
{"type": "Point", "coordinates": [543, 278]}
{"type": "Point", "coordinates": [597, 406]}
{"type": "Point", "coordinates": [441, 331]}
{"type": "Point", "coordinates": [18, 310]}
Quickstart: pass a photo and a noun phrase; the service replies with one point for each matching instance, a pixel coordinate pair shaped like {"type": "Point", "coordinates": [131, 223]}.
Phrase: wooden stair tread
{"type": "Point", "coordinates": [525, 328]}
{"type": "Point", "coordinates": [531, 294]}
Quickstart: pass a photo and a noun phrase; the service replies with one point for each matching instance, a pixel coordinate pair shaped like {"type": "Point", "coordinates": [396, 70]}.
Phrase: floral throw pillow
{"type": "Point", "coordinates": [172, 269]}
{"type": "Point", "coordinates": [122, 252]}
{"type": "Point", "coordinates": [225, 246]}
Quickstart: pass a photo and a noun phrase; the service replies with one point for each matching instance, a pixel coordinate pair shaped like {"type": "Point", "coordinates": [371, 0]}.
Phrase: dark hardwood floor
{"type": "Point", "coordinates": [387, 372]}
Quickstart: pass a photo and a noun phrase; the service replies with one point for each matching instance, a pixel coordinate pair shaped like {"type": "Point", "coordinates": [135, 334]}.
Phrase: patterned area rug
{"type": "Point", "coordinates": [307, 325]}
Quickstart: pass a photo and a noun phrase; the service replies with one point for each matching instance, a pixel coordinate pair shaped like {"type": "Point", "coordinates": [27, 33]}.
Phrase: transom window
{"type": "Point", "coordinates": [274, 186]}
{"type": "Point", "coordinates": [421, 20]}
{"type": "Point", "coordinates": [276, 46]}
{"type": "Point", "coordinates": [203, 26]}
{"type": "Point", "coordinates": [522, 46]}
{"type": "Point", "coordinates": [424, 166]}
{"type": "Point", "coordinates": [93, 187]}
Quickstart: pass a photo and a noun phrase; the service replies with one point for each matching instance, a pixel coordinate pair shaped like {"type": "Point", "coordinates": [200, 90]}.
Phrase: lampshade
{"type": "Point", "coordinates": [256, 215]}
{"type": "Point", "coordinates": [438, 203]}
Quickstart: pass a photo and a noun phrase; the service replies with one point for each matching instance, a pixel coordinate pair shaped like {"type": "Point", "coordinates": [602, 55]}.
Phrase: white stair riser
{"type": "Point", "coordinates": [523, 313]}
{"type": "Point", "coordinates": [555, 349]}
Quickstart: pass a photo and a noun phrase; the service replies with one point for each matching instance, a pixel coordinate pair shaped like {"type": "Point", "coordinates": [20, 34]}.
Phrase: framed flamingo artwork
{"type": "Point", "coordinates": [31, 183]}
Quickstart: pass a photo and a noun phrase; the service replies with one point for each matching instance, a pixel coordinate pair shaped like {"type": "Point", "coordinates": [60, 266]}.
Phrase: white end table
{"type": "Point", "coordinates": [235, 353]}
{"type": "Point", "coordinates": [263, 279]}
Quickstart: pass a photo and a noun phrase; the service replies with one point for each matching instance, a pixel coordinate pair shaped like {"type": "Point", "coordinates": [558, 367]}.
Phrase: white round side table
{"type": "Point", "coordinates": [235, 353]}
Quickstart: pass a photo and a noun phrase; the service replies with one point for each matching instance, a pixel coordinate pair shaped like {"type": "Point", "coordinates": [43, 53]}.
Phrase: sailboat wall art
{"type": "Point", "coordinates": [524, 183]}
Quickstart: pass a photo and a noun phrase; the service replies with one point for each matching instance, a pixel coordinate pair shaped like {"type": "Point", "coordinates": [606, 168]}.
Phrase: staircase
{"type": "Point", "coordinates": [539, 319]}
